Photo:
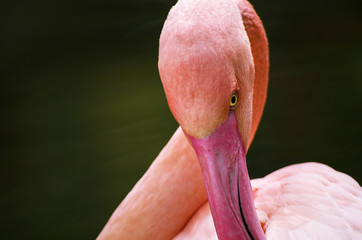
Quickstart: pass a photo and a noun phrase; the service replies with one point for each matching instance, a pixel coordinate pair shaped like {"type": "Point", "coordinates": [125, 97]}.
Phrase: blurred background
{"type": "Point", "coordinates": [83, 113]}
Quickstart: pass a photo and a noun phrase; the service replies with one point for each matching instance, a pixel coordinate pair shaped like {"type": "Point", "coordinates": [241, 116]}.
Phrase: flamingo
{"type": "Point", "coordinates": [213, 63]}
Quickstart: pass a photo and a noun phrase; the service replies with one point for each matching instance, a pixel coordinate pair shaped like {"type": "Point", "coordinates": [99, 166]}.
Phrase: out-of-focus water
{"type": "Point", "coordinates": [83, 113]}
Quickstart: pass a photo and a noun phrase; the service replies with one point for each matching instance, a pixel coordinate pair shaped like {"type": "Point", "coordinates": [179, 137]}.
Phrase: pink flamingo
{"type": "Point", "coordinates": [213, 62]}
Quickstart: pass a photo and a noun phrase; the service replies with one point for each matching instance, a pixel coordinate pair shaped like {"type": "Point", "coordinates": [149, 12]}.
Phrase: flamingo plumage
{"type": "Point", "coordinates": [213, 64]}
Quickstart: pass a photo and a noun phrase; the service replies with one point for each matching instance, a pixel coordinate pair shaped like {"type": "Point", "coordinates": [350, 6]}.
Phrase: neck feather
{"type": "Point", "coordinates": [260, 51]}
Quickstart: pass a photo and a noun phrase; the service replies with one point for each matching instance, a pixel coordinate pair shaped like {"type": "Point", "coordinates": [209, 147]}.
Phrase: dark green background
{"type": "Point", "coordinates": [83, 113]}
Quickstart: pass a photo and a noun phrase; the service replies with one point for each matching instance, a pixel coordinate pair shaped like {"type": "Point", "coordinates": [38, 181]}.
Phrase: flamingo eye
{"type": "Point", "coordinates": [233, 100]}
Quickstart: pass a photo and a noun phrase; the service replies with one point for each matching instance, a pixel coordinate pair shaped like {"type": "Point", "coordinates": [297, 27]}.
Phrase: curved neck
{"type": "Point", "coordinates": [260, 51]}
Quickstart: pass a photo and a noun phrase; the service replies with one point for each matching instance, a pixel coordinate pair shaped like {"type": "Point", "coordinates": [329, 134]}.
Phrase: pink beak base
{"type": "Point", "coordinates": [222, 159]}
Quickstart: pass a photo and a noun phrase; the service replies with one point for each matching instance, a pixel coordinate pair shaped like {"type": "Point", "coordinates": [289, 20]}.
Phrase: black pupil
{"type": "Point", "coordinates": [233, 99]}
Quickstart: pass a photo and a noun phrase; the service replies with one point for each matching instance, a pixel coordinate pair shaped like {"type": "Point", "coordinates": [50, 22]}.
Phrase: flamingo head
{"type": "Point", "coordinates": [207, 70]}
{"type": "Point", "coordinates": [205, 62]}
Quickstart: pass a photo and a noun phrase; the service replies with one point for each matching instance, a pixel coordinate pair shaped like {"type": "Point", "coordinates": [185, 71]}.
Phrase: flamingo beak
{"type": "Point", "coordinates": [222, 159]}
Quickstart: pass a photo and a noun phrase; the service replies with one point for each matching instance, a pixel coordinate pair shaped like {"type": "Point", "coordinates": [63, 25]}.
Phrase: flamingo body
{"type": "Point", "coordinates": [301, 201]}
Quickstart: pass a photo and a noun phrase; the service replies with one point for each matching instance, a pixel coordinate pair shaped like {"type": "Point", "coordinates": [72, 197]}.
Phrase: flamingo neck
{"type": "Point", "coordinates": [260, 51]}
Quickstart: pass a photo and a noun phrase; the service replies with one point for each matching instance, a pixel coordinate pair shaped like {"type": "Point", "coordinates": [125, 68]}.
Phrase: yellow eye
{"type": "Point", "coordinates": [233, 100]}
